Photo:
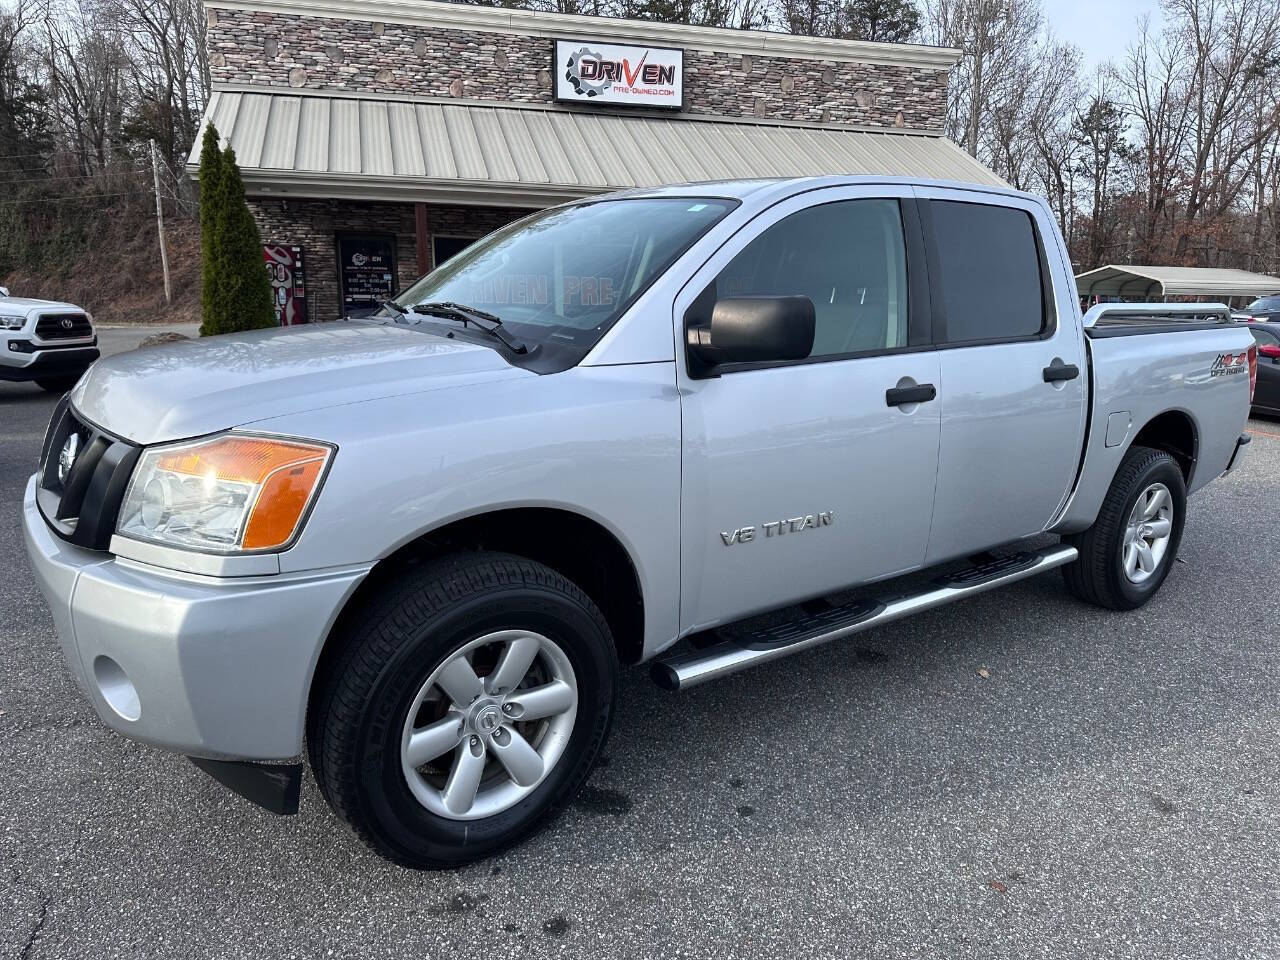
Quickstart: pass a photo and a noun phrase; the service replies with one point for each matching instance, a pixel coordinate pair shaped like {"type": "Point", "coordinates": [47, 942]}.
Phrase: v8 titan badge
{"type": "Point", "coordinates": [778, 528]}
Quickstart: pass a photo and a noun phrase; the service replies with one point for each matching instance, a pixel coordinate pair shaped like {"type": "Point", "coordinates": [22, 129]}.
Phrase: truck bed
{"type": "Point", "coordinates": [1149, 359]}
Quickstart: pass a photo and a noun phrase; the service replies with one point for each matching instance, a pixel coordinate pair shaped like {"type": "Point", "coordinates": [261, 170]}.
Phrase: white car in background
{"type": "Point", "coordinates": [45, 341]}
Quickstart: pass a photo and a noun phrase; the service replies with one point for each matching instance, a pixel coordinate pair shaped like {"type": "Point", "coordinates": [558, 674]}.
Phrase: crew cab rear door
{"type": "Point", "coordinates": [1013, 391]}
{"type": "Point", "coordinates": [800, 477]}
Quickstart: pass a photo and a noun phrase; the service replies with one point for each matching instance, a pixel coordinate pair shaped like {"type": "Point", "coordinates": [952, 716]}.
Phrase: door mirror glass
{"type": "Point", "coordinates": [755, 330]}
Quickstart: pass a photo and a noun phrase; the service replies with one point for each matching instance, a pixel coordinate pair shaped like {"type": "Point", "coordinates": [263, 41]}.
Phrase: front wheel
{"type": "Point", "coordinates": [467, 705]}
{"type": "Point", "coordinates": [1127, 553]}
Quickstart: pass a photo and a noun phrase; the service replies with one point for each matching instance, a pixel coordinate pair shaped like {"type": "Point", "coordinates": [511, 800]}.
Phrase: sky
{"type": "Point", "coordinates": [1102, 29]}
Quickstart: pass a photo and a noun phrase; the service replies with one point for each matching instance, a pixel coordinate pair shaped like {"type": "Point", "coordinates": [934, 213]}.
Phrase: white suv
{"type": "Point", "coordinates": [45, 341]}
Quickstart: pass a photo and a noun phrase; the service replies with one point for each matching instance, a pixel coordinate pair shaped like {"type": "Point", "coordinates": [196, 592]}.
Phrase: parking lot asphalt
{"type": "Point", "coordinates": [1015, 775]}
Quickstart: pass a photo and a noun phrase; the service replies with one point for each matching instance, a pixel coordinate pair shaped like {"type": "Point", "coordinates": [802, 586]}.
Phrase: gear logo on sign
{"type": "Point", "coordinates": [573, 73]}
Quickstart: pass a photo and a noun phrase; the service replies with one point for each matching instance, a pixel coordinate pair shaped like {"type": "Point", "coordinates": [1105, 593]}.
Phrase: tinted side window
{"type": "Point", "coordinates": [990, 272]}
{"type": "Point", "coordinates": [1264, 338]}
{"type": "Point", "coordinates": [847, 257]}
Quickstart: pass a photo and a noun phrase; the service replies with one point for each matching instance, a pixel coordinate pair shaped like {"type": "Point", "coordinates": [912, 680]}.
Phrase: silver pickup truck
{"type": "Point", "coordinates": [44, 341]}
{"type": "Point", "coordinates": [674, 425]}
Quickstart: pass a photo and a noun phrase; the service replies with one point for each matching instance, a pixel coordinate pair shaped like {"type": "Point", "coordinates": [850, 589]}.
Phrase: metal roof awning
{"type": "Point", "coordinates": [360, 147]}
{"type": "Point", "coordinates": [1122, 280]}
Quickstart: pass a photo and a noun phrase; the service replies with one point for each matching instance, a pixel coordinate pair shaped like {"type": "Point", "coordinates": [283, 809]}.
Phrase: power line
{"type": "Point", "coordinates": [42, 153]}
{"type": "Point", "coordinates": [86, 196]}
{"type": "Point", "coordinates": [49, 154]}
{"type": "Point", "coordinates": [22, 156]}
{"type": "Point", "coordinates": [105, 174]}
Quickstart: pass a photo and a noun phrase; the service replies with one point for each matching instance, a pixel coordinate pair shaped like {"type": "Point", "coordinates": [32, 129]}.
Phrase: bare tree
{"type": "Point", "coordinates": [86, 65]}
{"type": "Point", "coordinates": [1054, 91]}
{"type": "Point", "coordinates": [1229, 47]}
{"type": "Point", "coordinates": [995, 38]}
{"type": "Point", "coordinates": [1099, 132]}
{"type": "Point", "coordinates": [169, 74]}
{"type": "Point", "coordinates": [1153, 82]}
{"type": "Point", "coordinates": [23, 113]}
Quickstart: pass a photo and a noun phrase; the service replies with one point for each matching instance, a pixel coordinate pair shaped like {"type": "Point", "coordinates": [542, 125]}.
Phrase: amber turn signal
{"type": "Point", "coordinates": [284, 475]}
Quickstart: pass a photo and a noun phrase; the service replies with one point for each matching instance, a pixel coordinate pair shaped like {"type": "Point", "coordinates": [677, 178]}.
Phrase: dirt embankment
{"type": "Point", "coordinates": [116, 274]}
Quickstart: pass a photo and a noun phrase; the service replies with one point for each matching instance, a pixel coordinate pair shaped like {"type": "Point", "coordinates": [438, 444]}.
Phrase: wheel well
{"type": "Point", "coordinates": [1174, 433]}
{"type": "Point", "coordinates": [575, 546]}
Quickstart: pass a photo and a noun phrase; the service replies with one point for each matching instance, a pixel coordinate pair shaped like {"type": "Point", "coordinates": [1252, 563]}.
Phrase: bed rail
{"type": "Point", "coordinates": [1161, 312]}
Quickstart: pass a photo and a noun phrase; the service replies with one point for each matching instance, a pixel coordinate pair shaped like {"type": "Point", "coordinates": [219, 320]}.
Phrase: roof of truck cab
{"type": "Point", "coordinates": [744, 188]}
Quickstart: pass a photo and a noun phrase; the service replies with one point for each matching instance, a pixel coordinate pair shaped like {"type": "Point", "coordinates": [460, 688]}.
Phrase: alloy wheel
{"type": "Point", "coordinates": [1148, 532]}
{"type": "Point", "coordinates": [489, 724]}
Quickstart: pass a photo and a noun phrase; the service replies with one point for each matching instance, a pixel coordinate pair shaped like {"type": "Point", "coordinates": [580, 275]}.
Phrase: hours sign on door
{"type": "Point", "coordinates": [590, 72]}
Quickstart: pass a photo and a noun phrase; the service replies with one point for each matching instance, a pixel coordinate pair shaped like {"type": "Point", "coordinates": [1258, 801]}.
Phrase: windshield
{"type": "Point", "coordinates": [1265, 304]}
{"type": "Point", "coordinates": [560, 278]}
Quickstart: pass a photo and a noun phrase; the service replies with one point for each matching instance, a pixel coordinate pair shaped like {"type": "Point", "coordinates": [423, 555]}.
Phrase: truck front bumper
{"type": "Point", "coordinates": [206, 666]}
{"type": "Point", "coordinates": [34, 360]}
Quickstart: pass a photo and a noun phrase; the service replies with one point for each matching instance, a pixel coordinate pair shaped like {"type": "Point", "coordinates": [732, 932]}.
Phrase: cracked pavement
{"type": "Point", "coordinates": [1015, 775]}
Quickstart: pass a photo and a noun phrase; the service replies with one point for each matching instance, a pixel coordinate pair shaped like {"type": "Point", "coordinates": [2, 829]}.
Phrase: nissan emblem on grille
{"type": "Point", "coordinates": [67, 458]}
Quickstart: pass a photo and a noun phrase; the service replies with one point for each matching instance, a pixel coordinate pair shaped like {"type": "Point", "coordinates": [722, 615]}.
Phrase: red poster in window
{"type": "Point", "coordinates": [288, 287]}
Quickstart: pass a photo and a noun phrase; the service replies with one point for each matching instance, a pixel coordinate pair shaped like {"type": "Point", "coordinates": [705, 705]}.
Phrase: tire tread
{"type": "Point", "coordinates": [1090, 577]}
{"type": "Point", "coordinates": [389, 620]}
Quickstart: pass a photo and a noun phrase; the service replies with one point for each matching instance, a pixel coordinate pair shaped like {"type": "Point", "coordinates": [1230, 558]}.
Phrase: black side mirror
{"type": "Point", "coordinates": [753, 330]}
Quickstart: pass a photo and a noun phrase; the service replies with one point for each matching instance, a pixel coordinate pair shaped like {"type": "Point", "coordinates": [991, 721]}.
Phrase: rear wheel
{"type": "Point", "coordinates": [469, 702]}
{"type": "Point", "coordinates": [1126, 554]}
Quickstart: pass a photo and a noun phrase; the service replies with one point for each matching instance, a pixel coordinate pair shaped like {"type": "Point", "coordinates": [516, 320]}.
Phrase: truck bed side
{"type": "Point", "coordinates": [1143, 373]}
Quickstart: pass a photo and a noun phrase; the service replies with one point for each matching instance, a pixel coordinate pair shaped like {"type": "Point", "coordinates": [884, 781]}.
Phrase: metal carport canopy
{"type": "Point", "coordinates": [1125, 280]}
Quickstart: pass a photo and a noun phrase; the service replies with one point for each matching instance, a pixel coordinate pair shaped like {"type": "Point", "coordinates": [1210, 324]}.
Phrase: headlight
{"type": "Point", "coordinates": [12, 323]}
{"type": "Point", "coordinates": [226, 495]}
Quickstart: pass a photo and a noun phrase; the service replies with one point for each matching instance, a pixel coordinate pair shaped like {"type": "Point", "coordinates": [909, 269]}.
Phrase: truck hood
{"type": "Point", "coordinates": [188, 389]}
{"type": "Point", "coordinates": [21, 306]}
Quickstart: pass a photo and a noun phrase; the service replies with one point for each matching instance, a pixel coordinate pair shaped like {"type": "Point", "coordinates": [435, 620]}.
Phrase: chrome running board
{"type": "Point", "coordinates": [729, 656]}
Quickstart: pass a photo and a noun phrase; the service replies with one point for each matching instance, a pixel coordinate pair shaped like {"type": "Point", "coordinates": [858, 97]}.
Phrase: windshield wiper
{"type": "Point", "coordinates": [471, 317]}
{"type": "Point", "coordinates": [392, 306]}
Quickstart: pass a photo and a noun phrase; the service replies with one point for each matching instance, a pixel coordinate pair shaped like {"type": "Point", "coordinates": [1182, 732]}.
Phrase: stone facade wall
{"type": "Point", "coordinates": [320, 53]}
{"type": "Point", "coordinates": [312, 224]}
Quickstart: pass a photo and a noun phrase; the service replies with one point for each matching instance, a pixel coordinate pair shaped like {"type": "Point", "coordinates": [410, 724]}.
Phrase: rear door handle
{"type": "Point", "coordinates": [1061, 371]}
{"type": "Point", "coordinates": [921, 393]}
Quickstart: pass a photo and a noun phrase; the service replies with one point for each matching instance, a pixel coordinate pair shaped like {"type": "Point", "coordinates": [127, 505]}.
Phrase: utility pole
{"type": "Point", "coordinates": [164, 253]}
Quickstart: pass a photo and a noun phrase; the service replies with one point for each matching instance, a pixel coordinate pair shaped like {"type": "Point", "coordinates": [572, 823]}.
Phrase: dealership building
{"type": "Point", "coordinates": [378, 138]}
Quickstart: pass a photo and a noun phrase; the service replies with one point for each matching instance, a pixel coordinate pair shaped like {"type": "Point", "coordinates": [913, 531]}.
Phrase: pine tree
{"type": "Point", "coordinates": [211, 299]}
{"type": "Point", "coordinates": [237, 291]}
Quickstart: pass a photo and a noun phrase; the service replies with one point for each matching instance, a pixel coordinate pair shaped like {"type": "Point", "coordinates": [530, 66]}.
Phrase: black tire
{"type": "Point", "coordinates": [408, 629]}
{"type": "Point", "coordinates": [57, 384]}
{"type": "Point", "coordinates": [1098, 576]}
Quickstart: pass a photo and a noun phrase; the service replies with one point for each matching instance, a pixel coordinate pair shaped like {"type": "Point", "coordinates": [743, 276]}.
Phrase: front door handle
{"type": "Point", "coordinates": [920, 393]}
{"type": "Point", "coordinates": [1060, 371]}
